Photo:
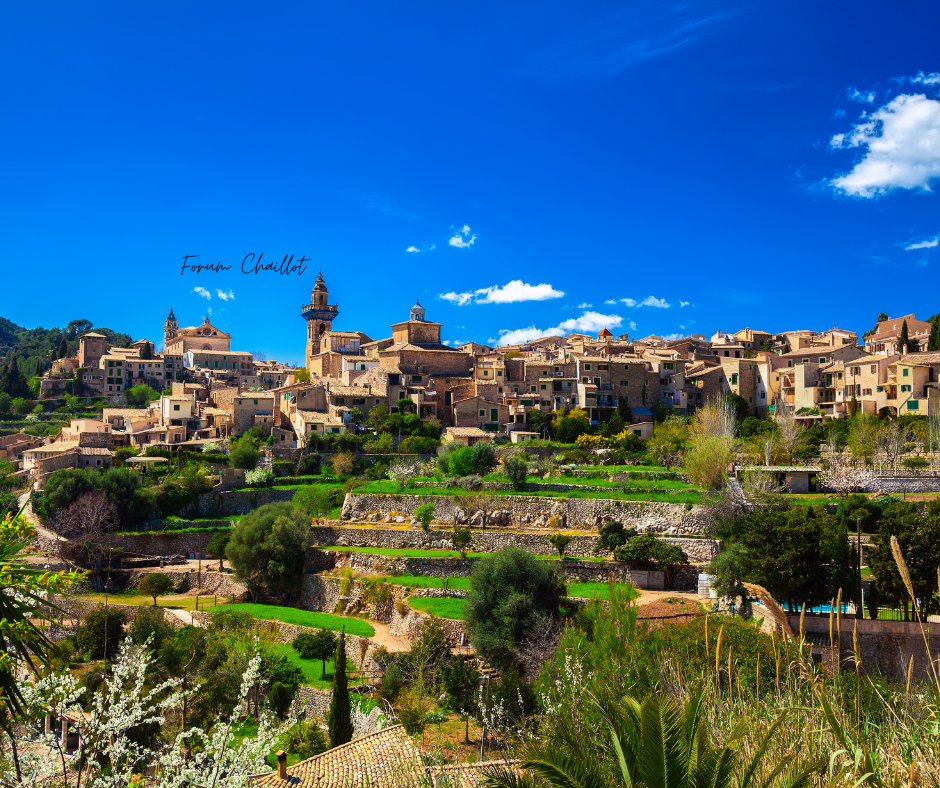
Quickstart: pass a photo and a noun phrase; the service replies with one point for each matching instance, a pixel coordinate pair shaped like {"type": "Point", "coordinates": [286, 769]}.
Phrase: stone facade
{"type": "Point", "coordinates": [533, 512]}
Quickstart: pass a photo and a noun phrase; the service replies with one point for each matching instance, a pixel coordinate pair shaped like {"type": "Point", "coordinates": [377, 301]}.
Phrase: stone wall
{"type": "Point", "coordinates": [209, 583]}
{"type": "Point", "coordinates": [234, 502]}
{"type": "Point", "coordinates": [572, 571]}
{"type": "Point", "coordinates": [76, 608]}
{"type": "Point", "coordinates": [534, 512]}
{"type": "Point", "coordinates": [699, 550]}
{"type": "Point", "coordinates": [905, 484]}
{"type": "Point", "coordinates": [159, 543]}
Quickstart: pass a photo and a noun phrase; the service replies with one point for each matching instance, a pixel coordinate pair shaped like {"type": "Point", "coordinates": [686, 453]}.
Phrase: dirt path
{"type": "Point", "coordinates": [383, 637]}
{"type": "Point", "coordinates": [647, 597]}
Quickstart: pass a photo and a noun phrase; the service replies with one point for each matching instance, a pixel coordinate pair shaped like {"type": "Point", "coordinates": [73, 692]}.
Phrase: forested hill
{"type": "Point", "coordinates": [31, 344]}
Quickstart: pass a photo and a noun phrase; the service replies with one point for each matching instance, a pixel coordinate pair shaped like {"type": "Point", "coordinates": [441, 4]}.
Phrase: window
{"type": "Point", "coordinates": [587, 366]}
{"type": "Point", "coordinates": [532, 388]}
{"type": "Point", "coordinates": [256, 402]}
{"type": "Point", "coordinates": [482, 414]}
{"type": "Point", "coordinates": [499, 373]}
{"type": "Point", "coordinates": [906, 371]}
{"type": "Point", "coordinates": [605, 366]}
{"type": "Point", "coordinates": [763, 395]}
{"type": "Point", "coordinates": [516, 389]}
{"type": "Point", "coordinates": [734, 379]}
{"type": "Point", "coordinates": [840, 376]}
{"type": "Point", "coordinates": [874, 368]}
{"type": "Point", "coordinates": [913, 404]}
{"type": "Point", "coordinates": [500, 390]}
{"type": "Point", "coordinates": [494, 414]}
{"type": "Point", "coordinates": [527, 403]}
{"type": "Point", "coordinates": [415, 378]}
{"type": "Point", "coordinates": [669, 366]}
{"type": "Point", "coordinates": [822, 359]}
{"type": "Point", "coordinates": [789, 363]}
{"type": "Point", "coordinates": [806, 361]}
{"type": "Point", "coordinates": [542, 387]}
{"type": "Point", "coordinates": [486, 372]}
{"type": "Point", "coordinates": [905, 388]}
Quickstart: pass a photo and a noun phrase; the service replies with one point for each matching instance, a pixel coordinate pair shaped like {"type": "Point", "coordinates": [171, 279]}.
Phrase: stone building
{"type": "Point", "coordinates": [176, 341]}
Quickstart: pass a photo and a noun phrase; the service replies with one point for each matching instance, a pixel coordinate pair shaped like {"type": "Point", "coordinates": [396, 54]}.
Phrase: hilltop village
{"type": "Point", "coordinates": [474, 392]}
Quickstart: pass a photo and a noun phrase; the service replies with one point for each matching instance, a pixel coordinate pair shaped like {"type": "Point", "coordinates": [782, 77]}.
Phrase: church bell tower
{"type": "Point", "coordinates": [319, 315]}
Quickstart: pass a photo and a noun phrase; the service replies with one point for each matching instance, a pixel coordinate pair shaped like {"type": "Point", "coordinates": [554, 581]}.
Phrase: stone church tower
{"type": "Point", "coordinates": [319, 315]}
{"type": "Point", "coordinates": [169, 328]}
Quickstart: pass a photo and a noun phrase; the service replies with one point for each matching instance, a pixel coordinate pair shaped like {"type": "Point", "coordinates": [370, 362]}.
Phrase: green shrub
{"type": "Point", "coordinates": [101, 628]}
{"type": "Point", "coordinates": [462, 462]}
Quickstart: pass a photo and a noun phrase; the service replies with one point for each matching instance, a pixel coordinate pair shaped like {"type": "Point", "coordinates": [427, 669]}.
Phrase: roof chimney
{"type": "Point", "coordinates": [281, 765]}
{"type": "Point", "coordinates": [905, 350]}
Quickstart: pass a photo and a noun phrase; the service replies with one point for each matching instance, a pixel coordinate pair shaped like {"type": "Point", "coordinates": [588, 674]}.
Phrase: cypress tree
{"type": "Point", "coordinates": [63, 349]}
{"type": "Point", "coordinates": [903, 338]}
{"type": "Point", "coordinates": [146, 353]}
{"type": "Point", "coordinates": [340, 719]}
{"type": "Point", "coordinates": [933, 343]}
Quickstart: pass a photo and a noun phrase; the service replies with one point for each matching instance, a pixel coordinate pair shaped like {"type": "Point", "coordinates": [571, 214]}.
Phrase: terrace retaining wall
{"type": "Point", "coordinates": [699, 550]}
{"type": "Point", "coordinates": [522, 510]}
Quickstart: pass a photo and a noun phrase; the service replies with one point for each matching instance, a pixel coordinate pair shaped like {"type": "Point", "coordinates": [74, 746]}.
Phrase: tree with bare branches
{"type": "Point", "coordinates": [791, 432]}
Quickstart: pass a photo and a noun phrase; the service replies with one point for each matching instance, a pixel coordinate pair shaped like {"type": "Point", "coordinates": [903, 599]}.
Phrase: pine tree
{"type": "Point", "coordinates": [38, 367]}
{"type": "Point", "coordinates": [12, 382]}
{"type": "Point", "coordinates": [903, 340]}
{"type": "Point", "coordinates": [933, 343]}
{"type": "Point", "coordinates": [63, 349]}
{"type": "Point", "coordinates": [340, 719]}
{"type": "Point", "coordinates": [145, 352]}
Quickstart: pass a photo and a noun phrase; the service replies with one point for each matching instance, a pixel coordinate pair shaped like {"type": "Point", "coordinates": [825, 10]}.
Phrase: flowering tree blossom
{"type": "Point", "coordinates": [843, 474]}
{"type": "Point", "coordinates": [108, 758]}
{"type": "Point", "coordinates": [403, 472]}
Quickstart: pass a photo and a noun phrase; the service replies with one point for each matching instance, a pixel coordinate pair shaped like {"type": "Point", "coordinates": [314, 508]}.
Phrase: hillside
{"type": "Point", "coordinates": [31, 344]}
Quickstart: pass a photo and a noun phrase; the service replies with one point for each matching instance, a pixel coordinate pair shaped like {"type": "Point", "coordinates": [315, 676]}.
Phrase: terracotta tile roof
{"type": "Point", "coordinates": [920, 358]}
{"type": "Point", "coordinates": [351, 391]}
{"type": "Point", "coordinates": [467, 432]}
{"type": "Point", "coordinates": [385, 758]}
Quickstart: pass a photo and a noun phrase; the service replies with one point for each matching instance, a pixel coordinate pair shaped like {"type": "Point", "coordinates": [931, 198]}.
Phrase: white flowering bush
{"type": "Point", "coordinates": [403, 471]}
{"type": "Point", "coordinates": [108, 758]}
{"type": "Point", "coordinates": [211, 448]}
{"type": "Point", "coordinates": [259, 477]}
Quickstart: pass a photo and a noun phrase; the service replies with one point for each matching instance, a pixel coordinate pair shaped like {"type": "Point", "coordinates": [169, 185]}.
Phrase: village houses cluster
{"type": "Point", "coordinates": [475, 391]}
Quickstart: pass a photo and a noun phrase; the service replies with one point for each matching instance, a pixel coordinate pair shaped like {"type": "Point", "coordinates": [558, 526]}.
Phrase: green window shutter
{"type": "Point", "coordinates": [482, 414]}
{"type": "Point", "coordinates": [494, 414]}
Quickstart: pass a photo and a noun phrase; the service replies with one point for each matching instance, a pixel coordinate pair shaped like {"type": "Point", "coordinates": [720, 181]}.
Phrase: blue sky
{"type": "Point", "coordinates": [704, 166]}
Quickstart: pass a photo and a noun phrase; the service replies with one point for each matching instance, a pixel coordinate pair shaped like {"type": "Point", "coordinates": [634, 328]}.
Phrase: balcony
{"type": "Point", "coordinates": [313, 312]}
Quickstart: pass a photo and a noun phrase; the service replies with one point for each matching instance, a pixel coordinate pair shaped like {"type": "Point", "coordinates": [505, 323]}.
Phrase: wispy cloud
{"type": "Point", "coordinates": [927, 243]}
{"type": "Point", "coordinates": [513, 292]}
{"type": "Point", "coordinates": [202, 292]}
{"type": "Point", "coordinates": [422, 248]}
{"type": "Point", "coordinates": [637, 32]}
{"type": "Point", "coordinates": [632, 325]}
{"type": "Point", "coordinates": [683, 303]}
{"type": "Point", "coordinates": [854, 94]}
{"type": "Point", "coordinates": [628, 301]}
{"type": "Point", "coordinates": [670, 337]}
{"type": "Point", "coordinates": [659, 303]}
{"type": "Point", "coordinates": [229, 296]}
{"type": "Point", "coordinates": [463, 238]}
{"type": "Point", "coordinates": [920, 78]}
{"type": "Point", "coordinates": [589, 323]}
{"type": "Point", "coordinates": [584, 306]}
{"type": "Point", "coordinates": [611, 302]}
{"type": "Point", "coordinates": [901, 141]}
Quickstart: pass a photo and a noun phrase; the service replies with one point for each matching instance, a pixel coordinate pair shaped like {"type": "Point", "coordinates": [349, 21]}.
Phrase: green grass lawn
{"type": "Point", "coordinates": [311, 667]}
{"type": "Point", "coordinates": [422, 581]}
{"type": "Point", "coordinates": [598, 589]}
{"type": "Point", "coordinates": [306, 618]}
{"type": "Point", "coordinates": [685, 495]}
{"type": "Point", "coordinates": [395, 553]}
{"type": "Point", "coordinates": [444, 608]}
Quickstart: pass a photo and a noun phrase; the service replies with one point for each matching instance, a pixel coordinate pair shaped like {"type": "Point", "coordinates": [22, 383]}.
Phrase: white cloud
{"type": "Point", "coordinates": [584, 306]}
{"type": "Point", "coordinates": [463, 238]}
{"type": "Point", "coordinates": [512, 292]}
{"type": "Point", "coordinates": [855, 94]}
{"type": "Point", "coordinates": [632, 326]}
{"type": "Point", "coordinates": [412, 249]}
{"type": "Point", "coordinates": [422, 248]}
{"type": "Point", "coordinates": [202, 291]}
{"type": "Point", "coordinates": [460, 299]}
{"type": "Point", "coordinates": [670, 337]}
{"type": "Point", "coordinates": [928, 243]}
{"type": "Point", "coordinates": [230, 295]}
{"type": "Point", "coordinates": [925, 79]}
{"type": "Point", "coordinates": [902, 147]}
{"type": "Point", "coordinates": [659, 303]}
{"type": "Point", "coordinates": [611, 301]}
{"type": "Point", "coordinates": [588, 323]}
{"type": "Point", "coordinates": [683, 303]}
{"type": "Point", "coordinates": [628, 301]}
